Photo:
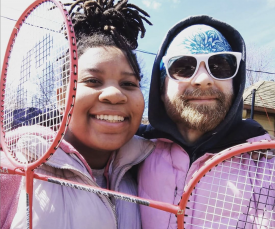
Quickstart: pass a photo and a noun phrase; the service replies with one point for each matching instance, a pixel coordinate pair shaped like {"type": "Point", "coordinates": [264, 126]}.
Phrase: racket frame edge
{"type": "Point", "coordinates": [70, 96]}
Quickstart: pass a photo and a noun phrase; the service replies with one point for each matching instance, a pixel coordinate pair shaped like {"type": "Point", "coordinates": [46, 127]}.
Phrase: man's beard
{"type": "Point", "coordinates": [200, 117]}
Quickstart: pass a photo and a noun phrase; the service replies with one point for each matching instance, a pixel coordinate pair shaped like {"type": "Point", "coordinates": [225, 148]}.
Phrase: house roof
{"type": "Point", "coordinates": [265, 94]}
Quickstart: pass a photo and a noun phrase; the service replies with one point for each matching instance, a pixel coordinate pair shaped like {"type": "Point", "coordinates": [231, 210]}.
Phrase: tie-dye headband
{"type": "Point", "coordinates": [196, 39]}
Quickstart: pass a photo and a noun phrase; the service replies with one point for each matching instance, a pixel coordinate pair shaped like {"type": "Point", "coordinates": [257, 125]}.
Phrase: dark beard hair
{"type": "Point", "coordinates": [198, 117]}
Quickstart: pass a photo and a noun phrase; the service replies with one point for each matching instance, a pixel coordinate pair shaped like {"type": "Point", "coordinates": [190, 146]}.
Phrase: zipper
{"type": "Point", "coordinates": [175, 192]}
{"type": "Point", "coordinates": [176, 188]}
{"type": "Point", "coordinates": [107, 202]}
{"type": "Point", "coordinates": [126, 167]}
{"type": "Point", "coordinates": [104, 199]}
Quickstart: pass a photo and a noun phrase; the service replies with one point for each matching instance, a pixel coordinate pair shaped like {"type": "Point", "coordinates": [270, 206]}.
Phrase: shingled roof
{"type": "Point", "coordinates": [265, 95]}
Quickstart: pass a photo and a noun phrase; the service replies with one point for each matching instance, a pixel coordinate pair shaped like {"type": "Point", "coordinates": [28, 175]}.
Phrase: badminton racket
{"type": "Point", "coordinates": [247, 203]}
{"type": "Point", "coordinates": [232, 190]}
{"type": "Point", "coordinates": [41, 61]}
{"type": "Point", "coordinates": [38, 86]}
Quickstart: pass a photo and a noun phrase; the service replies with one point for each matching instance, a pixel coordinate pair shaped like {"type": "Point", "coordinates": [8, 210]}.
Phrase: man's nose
{"type": "Point", "coordinates": [113, 95]}
{"type": "Point", "coordinates": [202, 78]}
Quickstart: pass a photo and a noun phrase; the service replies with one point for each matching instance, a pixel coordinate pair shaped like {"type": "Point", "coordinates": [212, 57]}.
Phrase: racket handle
{"type": "Point", "coordinates": [151, 203]}
{"type": "Point", "coordinates": [29, 198]}
{"type": "Point", "coordinates": [175, 209]}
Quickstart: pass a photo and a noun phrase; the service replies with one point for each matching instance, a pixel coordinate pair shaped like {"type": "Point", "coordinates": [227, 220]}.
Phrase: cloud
{"type": "Point", "coordinates": [152, 4]}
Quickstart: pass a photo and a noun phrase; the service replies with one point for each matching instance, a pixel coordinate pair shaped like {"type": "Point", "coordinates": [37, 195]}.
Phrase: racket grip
{"type": "Point", "coordinates": [29, 198]}
{"type": "Point", "coordinates": [151, 203]}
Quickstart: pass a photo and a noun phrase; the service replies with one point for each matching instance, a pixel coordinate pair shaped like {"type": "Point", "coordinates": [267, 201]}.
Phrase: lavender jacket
{"type": "Point", "coordinates": [60, 207]}
{"type": "Point", "coordinates": [163, 175]}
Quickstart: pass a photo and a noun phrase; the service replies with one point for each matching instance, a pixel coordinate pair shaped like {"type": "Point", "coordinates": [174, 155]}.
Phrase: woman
{"type": "Point", "coordinates": [99, 148]}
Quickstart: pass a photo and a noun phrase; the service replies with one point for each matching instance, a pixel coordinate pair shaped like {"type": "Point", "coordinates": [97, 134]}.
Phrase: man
{"type": "Point", "coordinates": [195, 109]}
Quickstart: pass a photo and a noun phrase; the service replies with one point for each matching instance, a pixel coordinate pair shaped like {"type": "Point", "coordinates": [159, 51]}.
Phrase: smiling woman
{"type": "Point", "coordinates": [99, 147]}
{"type": "Point", "coordinates": [109, 105]}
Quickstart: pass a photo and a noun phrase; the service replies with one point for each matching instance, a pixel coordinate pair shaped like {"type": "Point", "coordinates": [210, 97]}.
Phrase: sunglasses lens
{"type": "Point", "coordinates": [222, 66]}
{"type": "Point", "coordinates": [182, 67]}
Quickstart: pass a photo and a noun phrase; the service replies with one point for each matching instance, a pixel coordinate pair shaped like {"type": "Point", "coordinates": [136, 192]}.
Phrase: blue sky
{"type": "Point", "coordinates": [254, 19]}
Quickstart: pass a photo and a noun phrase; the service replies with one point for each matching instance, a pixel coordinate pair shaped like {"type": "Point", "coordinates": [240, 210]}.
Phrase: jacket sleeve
{"type": "Point", "coordinates": [259, 138]}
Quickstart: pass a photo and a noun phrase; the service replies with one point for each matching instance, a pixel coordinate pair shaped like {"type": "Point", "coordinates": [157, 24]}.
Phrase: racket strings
{"type": "Point", "coordinates": [238, 193]}
{"type": "Point", "coordinates": [261, 205]}
{"type": "Point", "coordinates": [39, 64]}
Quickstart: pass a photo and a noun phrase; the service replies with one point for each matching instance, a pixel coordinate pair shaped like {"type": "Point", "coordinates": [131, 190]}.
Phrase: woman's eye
{"type": "Point", "coordinates": [130, 84]}
{"type": "Point", "coordinates": [92, 81]}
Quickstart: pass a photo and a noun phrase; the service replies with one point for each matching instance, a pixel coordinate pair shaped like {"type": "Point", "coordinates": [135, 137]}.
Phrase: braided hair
{"type": "Point", "coordinates": [105, 23]}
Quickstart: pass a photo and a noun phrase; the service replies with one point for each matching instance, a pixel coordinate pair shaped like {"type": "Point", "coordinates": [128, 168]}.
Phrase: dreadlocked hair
{"type": "Point", "coordinates": [89, 16]}
{"type": "Point", "coordinates": [105, 23]}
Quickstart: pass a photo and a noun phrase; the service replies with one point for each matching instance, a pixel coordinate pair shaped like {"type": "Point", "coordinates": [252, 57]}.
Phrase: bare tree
{"type": "Point", "coordinates": [145, 81]}
{"type": "Point", "coordinates": [259, 64]}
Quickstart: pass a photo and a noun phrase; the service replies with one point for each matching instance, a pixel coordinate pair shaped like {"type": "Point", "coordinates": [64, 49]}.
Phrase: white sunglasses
{"type": "Point", "coordinates": [220, 65]}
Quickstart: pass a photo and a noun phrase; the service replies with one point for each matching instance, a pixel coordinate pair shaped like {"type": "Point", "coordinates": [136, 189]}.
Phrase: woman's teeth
{"type": "Point", "coordinates": [110, 118]}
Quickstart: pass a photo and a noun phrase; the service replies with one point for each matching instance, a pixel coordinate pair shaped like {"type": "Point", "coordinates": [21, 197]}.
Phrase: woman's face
{"type": "Point", "coordinates": [109, 103]}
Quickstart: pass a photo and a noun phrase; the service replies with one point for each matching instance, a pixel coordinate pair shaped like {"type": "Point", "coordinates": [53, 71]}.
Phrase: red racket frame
{"type": "Point", "coordinates": [7, 169]}
{"type": "Point", "coordinates": [212, 162]}
{"type": "Point", "coordinates": [178, 210]}
{"type": "Point", "coordinates": [28, 168]}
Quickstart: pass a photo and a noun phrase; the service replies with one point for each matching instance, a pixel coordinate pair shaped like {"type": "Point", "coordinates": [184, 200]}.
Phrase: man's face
{"type": "Point", "coordinates": [199, 103]}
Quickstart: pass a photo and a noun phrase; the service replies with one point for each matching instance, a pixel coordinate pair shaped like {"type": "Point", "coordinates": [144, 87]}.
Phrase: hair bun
{"type": "Point", "coordinates": [89, 16]}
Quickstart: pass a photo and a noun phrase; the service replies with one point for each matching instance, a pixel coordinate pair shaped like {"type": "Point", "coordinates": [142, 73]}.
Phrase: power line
{"type": "Point", "coordinates": [14, 9]}
{"type": "Point", "coordinates": [9, 18]}
{"type": "Point", "coordinates": [151, 53]}
{"type": "Point", "coordinates": [40, 27]}
{"type": "Point", "coordinates": [143, 51]}
{"type": "Point", "coordinates": [260, 71]}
